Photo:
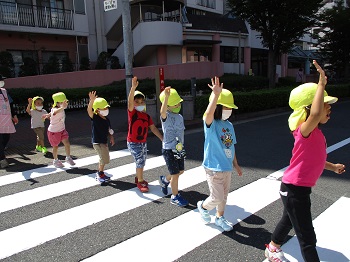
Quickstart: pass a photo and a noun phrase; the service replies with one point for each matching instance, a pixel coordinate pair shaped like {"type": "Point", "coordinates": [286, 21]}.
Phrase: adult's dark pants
{"type": "Point", "coordinates": [4, 139]}
{"type": "Point", "coordinates": [297, 214]}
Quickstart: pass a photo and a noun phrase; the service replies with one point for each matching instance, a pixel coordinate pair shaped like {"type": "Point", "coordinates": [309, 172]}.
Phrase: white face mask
{"type": "Point", "coordinates": [2, 83]}
{"type": "Point", "coordinates": [226, 114]}
{"type": "Point", "coordinates": [104, 112]}
{"type": "Point", "coordinates": [39, 107]}
{"type": "Point", "coordinates": [140, 108]}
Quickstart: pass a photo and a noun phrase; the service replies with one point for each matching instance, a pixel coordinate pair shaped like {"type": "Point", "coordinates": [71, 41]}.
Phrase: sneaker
{"type": "Point", "coordinates": [164, 185]}
{"type": "Point", "coordinates": [57, 163]}
{"type": "Point", "coordinates": [204, 213]}
{"type": "Point", "coordinates": [4, 163]}
{"type": "Point", "coordinates": [143, 186]}
{"type": "Point", "coordinates": [275, 256]}
{"type": "Point", "coordinates": [101, 177]}
{"type": "Point", "coordinates": [44, 150]}
{"type": "Point", "coordinates": [178, 200]}
{"type": "Point", "coordinates": [223, 223]}
{"type": "Point", "coordinates": [38, 148]}
{"type": "Point", "coordinates": [70, 161]}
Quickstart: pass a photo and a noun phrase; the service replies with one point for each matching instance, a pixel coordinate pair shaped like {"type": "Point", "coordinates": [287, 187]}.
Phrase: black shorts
{"type": "Point", "coordinates": [174, 165]}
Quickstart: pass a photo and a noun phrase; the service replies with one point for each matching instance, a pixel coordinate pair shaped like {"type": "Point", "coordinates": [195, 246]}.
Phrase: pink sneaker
{"type": "Point", "coordinates": [70, 161]}
{"type": "Point", "coordinates": [275, 256]}
{"type": "Point", "coordinates": [57, 163]}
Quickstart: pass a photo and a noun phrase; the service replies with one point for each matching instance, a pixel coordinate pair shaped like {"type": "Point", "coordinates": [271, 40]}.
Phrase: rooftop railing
{"type": "Point", "coordinates": [35, 16]}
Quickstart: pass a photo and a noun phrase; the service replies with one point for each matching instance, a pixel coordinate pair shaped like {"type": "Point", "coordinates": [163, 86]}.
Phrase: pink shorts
{"type": "Point", "coordinates": [55, 138]}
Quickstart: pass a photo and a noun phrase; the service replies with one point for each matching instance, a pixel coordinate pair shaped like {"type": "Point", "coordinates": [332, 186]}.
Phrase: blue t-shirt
{"type": "Point", "coordinates": [173, 127]}
{"type": "Point", "coordinates": [100, 129]}
{"type": "Point", "coordinates": [219, 149]}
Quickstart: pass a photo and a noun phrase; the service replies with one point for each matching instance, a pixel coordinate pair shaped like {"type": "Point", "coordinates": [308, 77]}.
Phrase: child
{"type": "Point", "coordinates": [172, 150]}
{"type": "Point", "coordinates": [219, 153]}
{"type": "Point", "coordinates": [139, 122]}
{"type": "Point", "coordinates": [101, 130]}
{"type": "Point", "coordinates": [311, 105]}
{"type": "Point", "coordinates": [36, 111]}
{"type": "Point", "coordinates": [8, 119]}
{"type": "Point", "coordinates": [56, 132]}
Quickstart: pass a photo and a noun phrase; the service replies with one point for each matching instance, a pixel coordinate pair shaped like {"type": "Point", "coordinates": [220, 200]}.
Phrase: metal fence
{"type": "Point", "coordinates": [35, 16]}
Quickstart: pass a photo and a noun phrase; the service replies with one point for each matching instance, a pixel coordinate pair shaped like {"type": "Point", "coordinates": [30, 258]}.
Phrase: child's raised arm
{"type": "Point", "coordinates": [164, 106]}
{"type": "Point", "coordinates": [92, 96]}
{"type": "Point", "coordinates": [29, 105]}
{"type": "Point", "coordinates": [216, 88]}
{"type": "Point", "coordinates": [134, 85]}
{"type": "Point", "coordinates": [317, 104]}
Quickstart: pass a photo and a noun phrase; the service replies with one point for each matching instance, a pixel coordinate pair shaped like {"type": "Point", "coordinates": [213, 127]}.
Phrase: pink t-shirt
{"type": "Point", "coordinates": [57, 121]}
{"type": "Point", "coordinates": [308, 159]}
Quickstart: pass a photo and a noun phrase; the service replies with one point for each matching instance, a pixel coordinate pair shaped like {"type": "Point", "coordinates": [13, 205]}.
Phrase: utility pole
{"type": "Point", "coordinates": [128, 45]}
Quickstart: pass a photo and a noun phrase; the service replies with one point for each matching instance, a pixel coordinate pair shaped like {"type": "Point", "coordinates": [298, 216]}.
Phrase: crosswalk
{"type": "Point", "coordinates": [111, 216]}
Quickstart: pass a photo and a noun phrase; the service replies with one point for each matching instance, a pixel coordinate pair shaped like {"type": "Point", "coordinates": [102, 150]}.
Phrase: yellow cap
{"type": "Point", "coordinates": [225, 99]}
{"type": "Point", "coordinates": [174, 97]}
{"type": "Point", "coordinates": [34, 99]}
{"type": "Point", "coordinates": [99, 103]}
{"type": "Point", "coordinates": [58, 98]}
{"type": "Point", "coordinates": [137, 92]}
{"type": "Point", "coordinates": [301, 97]}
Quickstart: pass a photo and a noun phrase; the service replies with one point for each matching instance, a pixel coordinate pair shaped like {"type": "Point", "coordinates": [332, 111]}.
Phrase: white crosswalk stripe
{"type": "Point", "coordinates": [241, 204]}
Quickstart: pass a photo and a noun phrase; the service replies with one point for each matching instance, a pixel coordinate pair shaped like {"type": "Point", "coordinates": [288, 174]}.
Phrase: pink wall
{"type": "Point", "coordinates": [92, 78]}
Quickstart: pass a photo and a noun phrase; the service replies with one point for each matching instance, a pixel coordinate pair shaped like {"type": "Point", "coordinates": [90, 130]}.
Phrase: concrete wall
{"type": "Point", "coordinates": [92, 78]}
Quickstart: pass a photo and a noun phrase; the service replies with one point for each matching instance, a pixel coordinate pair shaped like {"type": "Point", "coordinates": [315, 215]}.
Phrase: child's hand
{"type": "Point", "coordinates": [30, 100]}
{"type": "Point", "coordinates": [323, 77]}
{"type": "Point", "coordinates": [134, 82]}
{"type": "Point", "coordinates": [239, 170]}
{"type": "Point", "coordinates": [111, 140]}
{"type": "Point", "coordinates": [167, 91]}
{"type": "Point", "coordinates": [45, 116]}
{"type": "Point", "coordinates": [15, 120]}
{"type": "Point", "coordinates": [64, 104]}
{"type": "Point", "coordinates": [216, 86]}
{"type": "Point", "coordinates": [92, 96]}
{"type": "Point", "coordinates": [339, 168]}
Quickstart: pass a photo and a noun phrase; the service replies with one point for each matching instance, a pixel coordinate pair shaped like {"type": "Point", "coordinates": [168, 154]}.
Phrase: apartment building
{"type": "Point", "coordinates": [163, 32]}
{"type": "Point", "coordinates": [39, 29]}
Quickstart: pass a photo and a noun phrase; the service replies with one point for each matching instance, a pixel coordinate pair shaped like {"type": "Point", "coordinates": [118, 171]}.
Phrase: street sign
{"type": "Point", "coordinates": [109, 5]}
{"type": "Point", "coordinates": [161, 78]}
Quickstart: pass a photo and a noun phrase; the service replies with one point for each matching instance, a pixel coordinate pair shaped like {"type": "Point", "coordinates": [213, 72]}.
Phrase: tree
{"type": "Point", "coordinates": [52, 66]}
{"type": "Point", "coordinates": [67, 65]}
{"type": "Point", "coordinates": [29, 67]}
{"type": "Point", "coordinates": [102, 60]}
{"type": "Point", "coordinates": [115, 62]}
{"type": "Point", "coordinates": [334, 38]}
{"type": "Point", "coordinates": [280, 24]}
{"type": "Point", "coordinates": [6, 64]}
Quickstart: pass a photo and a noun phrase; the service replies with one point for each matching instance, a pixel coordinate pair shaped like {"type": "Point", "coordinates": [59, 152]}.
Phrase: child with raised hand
{"type": "Point", "coordinates": [101, 131]}
{"type": "Point", "coordinates": [219, 153]}
{"type": "Point", "coordinates": [56, 132]}
{"type": "Point", "coordinates": [173, 144]}
{"type": "Point", "coordinates": [311, 105]}
{"type": "Point", "coordinates": [37, 113]}
{"type": "Point", "coordinates": [139, 122]}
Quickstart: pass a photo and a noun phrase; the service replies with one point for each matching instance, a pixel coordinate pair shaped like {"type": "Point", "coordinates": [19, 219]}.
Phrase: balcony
{"type": "Point", "coordinates": [35, 16]}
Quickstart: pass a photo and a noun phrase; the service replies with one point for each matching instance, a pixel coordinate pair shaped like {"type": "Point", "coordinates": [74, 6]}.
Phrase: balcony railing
{"type": "Point", "coordinates": [35, 16]}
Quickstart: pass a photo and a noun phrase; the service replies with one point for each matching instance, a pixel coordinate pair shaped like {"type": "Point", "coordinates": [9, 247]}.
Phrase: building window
{"type": "Point", "coordinates": [79, 7]}
{"type": "Point", "coordinates": [199, 54]}
{"type": "Point", "coordinates": [229, 54]}
{"type": "Point", "coordinates": [19, 57]}
{"type": "Point", "coordinates": [207, 3]}
{"type": "Point", "coordinates": [59, 54]}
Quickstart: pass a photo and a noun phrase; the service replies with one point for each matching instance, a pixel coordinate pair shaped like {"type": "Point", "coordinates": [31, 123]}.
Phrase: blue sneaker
{"type": "Point", "coordinates": [102, 177]}
{"type": "Point", "coordinates": [164, 185]}
{"type": "Point", "coordinates": [204, 213]}
{"type": "Point", "coordinates": [223, 223]}
{"type": "Point", "coordinates": [178, 200]}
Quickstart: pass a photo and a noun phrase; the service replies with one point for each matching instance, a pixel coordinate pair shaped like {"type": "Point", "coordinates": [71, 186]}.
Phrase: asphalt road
{"type": "Point", "coordinates": [264, 147]}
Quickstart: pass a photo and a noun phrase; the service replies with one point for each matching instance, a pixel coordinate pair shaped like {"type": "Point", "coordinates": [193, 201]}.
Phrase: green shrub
{"type": "Point", "coordinates": [29, 67]}
{"type": "Point", "coordinates": [67, 65]}
{"type": "Point", "coordinates": [84, 64]}
{"type": "Point", "coordinates": [7, 65]}
{"type": "Point", "coordinates": [52, 66]}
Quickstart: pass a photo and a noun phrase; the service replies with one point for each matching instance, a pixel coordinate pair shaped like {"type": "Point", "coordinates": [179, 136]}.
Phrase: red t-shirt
{"type": "Point", "coordinates": [138, 126]}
